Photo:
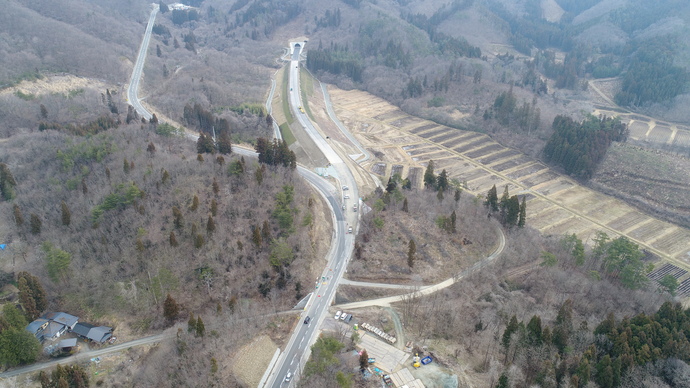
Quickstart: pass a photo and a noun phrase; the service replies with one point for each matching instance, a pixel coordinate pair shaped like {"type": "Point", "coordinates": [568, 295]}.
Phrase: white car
{"type": "Point", "coordinates": [288, 376]}
{"type": "Point", "coordinates": [337, 315]}
{"type": "Point", "coordinates": [346, 196]}
{"type": "Point", "coordinates": [349, 229]}
{"type": "Point", "coordinates": [345, 188]}
{"type": "Point", "coordinates": [342, 316]}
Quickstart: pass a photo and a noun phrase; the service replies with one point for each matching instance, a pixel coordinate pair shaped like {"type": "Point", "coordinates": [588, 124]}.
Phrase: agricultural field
{"type": "Point", "coordinates": [556, 204]}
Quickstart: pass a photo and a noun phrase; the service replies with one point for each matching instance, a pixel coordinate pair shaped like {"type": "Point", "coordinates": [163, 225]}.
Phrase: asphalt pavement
{"type": "Point", "coordinates": [133, 88]}
{"type": "Point", "coordinates": [297, 351]}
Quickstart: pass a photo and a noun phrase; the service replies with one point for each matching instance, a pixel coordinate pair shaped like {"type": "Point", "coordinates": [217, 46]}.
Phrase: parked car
{"type": "Point", "coordinates": [348, 318]}
{"type": "Point", "coordinates": [345, 188]}
{"type": "Point", "coordinates": [342, 316]}
{"type": "Point", "coordinates": [307, 320]}
{"type": "Point", "coordinates": [349, 229]}
{"type": "Point", "coordinates": [337, 315]}
{"type": "Point", "coordinates": [288, 376]}
{"type": "Point", "coordinates": [346, 196]}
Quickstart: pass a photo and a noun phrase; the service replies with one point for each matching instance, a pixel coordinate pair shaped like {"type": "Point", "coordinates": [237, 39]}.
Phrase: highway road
{"type": "Point", "coordinates": [133, 88]}
{"type": "Point", "coordinates": [297, 351]}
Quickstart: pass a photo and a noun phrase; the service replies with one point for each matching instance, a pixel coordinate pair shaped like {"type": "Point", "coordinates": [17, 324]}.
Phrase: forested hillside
{"type": "Point", "coordinates": [579, 147]}
{"type": "Point", "coordinates": [134, 216]}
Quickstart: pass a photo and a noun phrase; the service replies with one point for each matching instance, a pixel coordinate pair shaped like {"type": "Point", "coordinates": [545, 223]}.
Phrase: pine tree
{"type": "Point", "coordinates": [125, 166]}
{"type": "Point", "coordinates": [195, 203]}
{"type": "Point", "coordinates": [165, 177]}
{"type": "Point", "coordinates": [18, 216]}
{"type": "Point", "coordinates": [34, 290]}
{"type": "Point", "coordinates": [504, 200]}
{"type": "Point", "coordinates": [458, 192]}
{"type": "Point", "coordinates": [176, 44]}
{"type": "Point", "coordinates": [259, 175]}
{"type": "Point", "coordinates": [216, 187]}
{"type": "Point", "coordinates": [440, 196]}
{"type": "Point", "coordinates": [173, 239]}
{"type": "Point", "coordinates": [159, 53]}
{"type": "Point", "coordinates": [442, 181]}
{"type": "Point", "coordinates": [199, 241]}
{"type": "Point", "coordinates": [364, 359]}
{"type": "Point", "coordinates": [224, 143]}
{"type": "Point", "coordinates": [84, 188]}
{"type": "Point", "coordinates": [170, 309]}
{"type": "Point", "coordinates": [66, 215]}
{"type": "Point", "coordinates": [503, 381]}
{"type": "Point", "coordinates": [266, 231]}
{"type": "Point", "coordinates": [510, 329]}
{"type": "Point", "coordinates": [429, 177]}
{"type": "Point", "coordinates": [523, 213]}
{"type": "Point", "coordinates": [534, 331]}
{"type": "Point", "coordinates": [191, 324]}
{"type": "Point", "coordinates": [411, 252]}
{"type": "Point", "coordinates": [200, 328]}
{"type": "Point", "coordinates": [33, 301]}
{"type": "Point", "coordinates": [453, 218]}
{"type": "Point", "coordinates": [256, 237]}
{"type": "Point", "coordinates": [214, 207]}
{"type": "Point", "coordinates": [204, 144]}
{"type": "Point", "coordinates": [492, 199]}
{"type": "Point", "coordinates": [139, 245]}
{"type": "Point", "coordinates": [512, 210]}
{"type": "Point", "coordinates": [107, 173]}
{"type": "Point", "coordinates": [35, 223]}
{"type": "Point", "coordinates": [405, 206]}
{"type": "Point", "coordinates": [391, 186]}
{"type": "Point", "coordinates": [199, 158]}
{"type": "Point", "coordinates": [151, 148]}
{"type": "Point", "coordinates": [177, 217]}
{"type": "Point", "coordinates": [7, 182]}
{"type": "Point", "coordinates": [210, 225]}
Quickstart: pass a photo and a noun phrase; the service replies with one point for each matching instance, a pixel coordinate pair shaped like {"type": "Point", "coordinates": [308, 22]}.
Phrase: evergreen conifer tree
{"type": "Point", "coordinates": [66, 215]}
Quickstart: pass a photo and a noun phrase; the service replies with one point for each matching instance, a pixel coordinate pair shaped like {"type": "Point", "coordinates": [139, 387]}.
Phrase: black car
{"type": "Point", "coordinates": [307, 320]}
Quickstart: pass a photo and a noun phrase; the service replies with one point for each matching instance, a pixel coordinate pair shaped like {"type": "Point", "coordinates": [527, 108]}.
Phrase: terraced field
{"type": "Point", "coordinates": [555, 203]}
{"type": "Point", "coordinates": [646, 131]}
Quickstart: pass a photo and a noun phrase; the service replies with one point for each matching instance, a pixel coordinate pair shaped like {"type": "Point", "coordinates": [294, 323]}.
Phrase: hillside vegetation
{"type": "Point", "coordinates": [133, 216]}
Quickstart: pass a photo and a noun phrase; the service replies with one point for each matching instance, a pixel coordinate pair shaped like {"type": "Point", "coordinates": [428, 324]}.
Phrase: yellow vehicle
{"type": "Point", "coordinates": [301, 109]}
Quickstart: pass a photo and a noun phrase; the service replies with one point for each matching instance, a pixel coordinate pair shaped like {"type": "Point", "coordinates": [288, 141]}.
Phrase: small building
{"type": "Point", "coordinates": [66, 345]}
{"type": "Point", "coordinates": [90, 332]}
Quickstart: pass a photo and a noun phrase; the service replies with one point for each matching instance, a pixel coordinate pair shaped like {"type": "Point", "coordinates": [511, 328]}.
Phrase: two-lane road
{"type": "Point", "coordinates": [133, 88]}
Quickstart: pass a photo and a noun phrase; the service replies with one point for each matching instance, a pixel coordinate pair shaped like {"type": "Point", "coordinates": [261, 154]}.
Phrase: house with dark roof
{"type": "Point", "coordinates": [98, 334]}
{"type": "Point", "coordinates": [52, 325]}
{"type": "Point", "coordinates": [62, 318]}
{"type": "Point", "coordinates": [67, 344]}
{"type": "Point", "coordinates": [37, 327]}
{"type": "Point", "coordinates": [54, 330]}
